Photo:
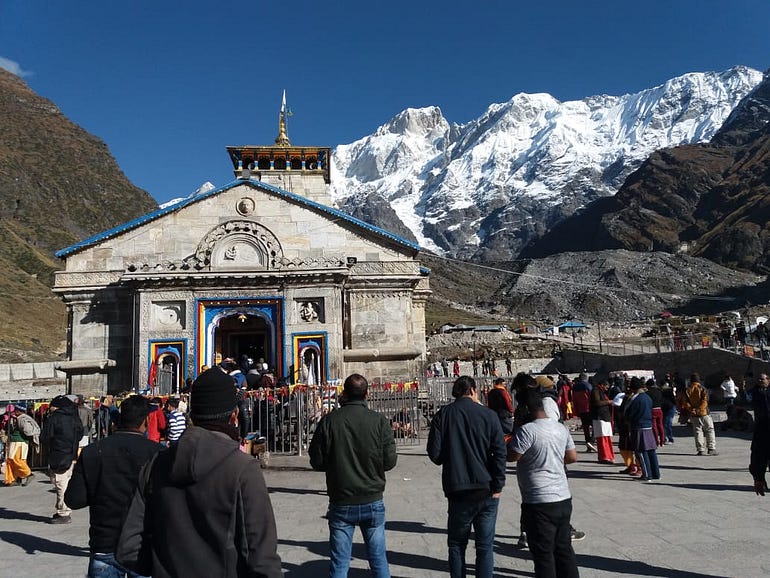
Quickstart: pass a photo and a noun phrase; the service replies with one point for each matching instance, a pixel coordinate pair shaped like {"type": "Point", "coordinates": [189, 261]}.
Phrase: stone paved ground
{"type": "Point", "coordinates": [701, 520]}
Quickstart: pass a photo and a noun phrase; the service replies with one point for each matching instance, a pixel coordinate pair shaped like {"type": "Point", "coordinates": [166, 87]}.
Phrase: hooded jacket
{"type": "Point", "coordinates": [61, 433]}
{"type": "Point", "coordinates": [206, 512]}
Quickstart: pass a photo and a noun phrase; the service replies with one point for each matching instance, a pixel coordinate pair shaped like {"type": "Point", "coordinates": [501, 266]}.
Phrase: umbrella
{"type": "Point", "coordinates": [666, 315]}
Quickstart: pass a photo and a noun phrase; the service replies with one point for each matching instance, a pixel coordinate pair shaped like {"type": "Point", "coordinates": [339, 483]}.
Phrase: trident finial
{"type": "Point", "coordinates": [283, 139]}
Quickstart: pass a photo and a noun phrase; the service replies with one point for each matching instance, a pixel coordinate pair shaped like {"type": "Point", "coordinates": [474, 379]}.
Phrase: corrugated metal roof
{"type": "Point", "coordinates": [120, 229]}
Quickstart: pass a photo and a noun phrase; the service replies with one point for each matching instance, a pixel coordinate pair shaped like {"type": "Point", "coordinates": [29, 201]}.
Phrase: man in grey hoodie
{"type": "Point", "coordinates": [202, 507]}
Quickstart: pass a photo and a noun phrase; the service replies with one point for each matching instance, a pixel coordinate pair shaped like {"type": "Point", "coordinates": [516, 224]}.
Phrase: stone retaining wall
{"type": "Point", "coordinates": [20, 381]}
{"type": "Point", "coordinates": [710, 363]}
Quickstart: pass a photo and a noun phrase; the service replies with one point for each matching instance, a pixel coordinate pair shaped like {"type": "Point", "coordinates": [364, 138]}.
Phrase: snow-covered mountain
{"type": "Point", "coordinates": [204, 188]}
{"type": "Point", "coordinates": [486, 188]}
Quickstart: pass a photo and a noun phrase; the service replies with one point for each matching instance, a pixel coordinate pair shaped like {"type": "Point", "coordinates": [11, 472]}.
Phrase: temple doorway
{"type": "Point", "coordinates": [244, 335]}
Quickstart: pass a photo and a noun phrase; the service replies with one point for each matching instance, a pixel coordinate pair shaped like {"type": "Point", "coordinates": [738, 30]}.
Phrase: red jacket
{"type": "Point", "coordinates": [156, 424]}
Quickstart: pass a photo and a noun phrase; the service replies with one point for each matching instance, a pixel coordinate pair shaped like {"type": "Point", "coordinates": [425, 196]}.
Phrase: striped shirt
{"type": "Point", "coordinates": [176, 425]}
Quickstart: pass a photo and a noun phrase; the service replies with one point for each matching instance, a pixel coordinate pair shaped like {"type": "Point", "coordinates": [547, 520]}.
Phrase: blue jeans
{"type": "Point", "coordinates": [668, 424]}
{"type": "Point", "coordinates": [104, 565]}
{"type": "Point", "coordinates": [342, 523]}
{"type": "Point", "coordinates": [481, 513]}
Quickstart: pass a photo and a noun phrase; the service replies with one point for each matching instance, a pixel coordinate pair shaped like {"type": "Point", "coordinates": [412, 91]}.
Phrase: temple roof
{"type": "Point", "coordinates": [289, 196]}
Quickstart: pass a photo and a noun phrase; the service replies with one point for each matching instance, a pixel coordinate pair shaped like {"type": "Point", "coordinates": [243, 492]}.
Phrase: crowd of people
{"type": "Point", "coordinates": [171, 493]}
{"type": "Point", "coordinates": [640, 412]}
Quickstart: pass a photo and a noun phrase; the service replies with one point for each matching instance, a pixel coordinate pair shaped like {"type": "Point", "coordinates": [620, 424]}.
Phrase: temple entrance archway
{"type": "Point", "coordinates": [237, 327]}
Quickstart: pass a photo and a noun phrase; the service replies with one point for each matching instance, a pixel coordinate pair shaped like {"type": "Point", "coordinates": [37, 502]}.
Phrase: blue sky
{"type": "Point", "coordinates": [169, 84]}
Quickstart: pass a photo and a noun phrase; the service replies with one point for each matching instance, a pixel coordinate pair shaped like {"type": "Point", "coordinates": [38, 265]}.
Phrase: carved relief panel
{"type": "Point", "coordinates": [310, 310]}
{"type": "Point", "coordinates": [168, 315]}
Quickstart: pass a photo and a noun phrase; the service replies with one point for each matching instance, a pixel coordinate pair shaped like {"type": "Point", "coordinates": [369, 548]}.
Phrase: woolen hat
{"type": "Point", "coordinates": [212, 395]}
{"type": "Point", "coordinates": [61, 401]}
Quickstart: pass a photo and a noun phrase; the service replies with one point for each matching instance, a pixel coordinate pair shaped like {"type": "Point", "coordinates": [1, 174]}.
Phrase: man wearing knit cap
{"type": "Point", "coordinates": [202, 507]}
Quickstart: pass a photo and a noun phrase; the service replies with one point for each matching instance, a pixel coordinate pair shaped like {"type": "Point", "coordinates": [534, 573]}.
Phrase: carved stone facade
{"type": "Point", "coordinates": [246, 270]}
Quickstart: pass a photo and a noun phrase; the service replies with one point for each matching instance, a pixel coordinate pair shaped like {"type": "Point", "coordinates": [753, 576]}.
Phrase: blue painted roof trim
{"type": "Point", "coordinates": [115, 231]}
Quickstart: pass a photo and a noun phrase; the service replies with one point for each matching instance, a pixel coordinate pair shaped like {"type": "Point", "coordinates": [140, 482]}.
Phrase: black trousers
{"type": "Point", "coordinates": [588, 427]}
{"type": "Point", "coordinates": [548, 536]}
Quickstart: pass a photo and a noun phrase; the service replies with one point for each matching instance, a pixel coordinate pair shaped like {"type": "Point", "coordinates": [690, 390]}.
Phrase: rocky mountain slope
{"type": "Point", "coordinates": [709, 200]}
{"type": "Point", "coordinates": [485, 189]}
{"type": "Point", "coordinates": [610, 285]}
{"type": "Point", "coordinates": [58, 184]}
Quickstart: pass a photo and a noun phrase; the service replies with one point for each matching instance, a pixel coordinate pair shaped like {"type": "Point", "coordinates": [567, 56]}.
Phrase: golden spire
{"type": "Point", "coordinates": [282, 140]}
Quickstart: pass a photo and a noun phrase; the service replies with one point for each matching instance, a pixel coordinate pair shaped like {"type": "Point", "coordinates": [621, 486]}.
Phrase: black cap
{"type": "Point", "coordinates": [212, 395]}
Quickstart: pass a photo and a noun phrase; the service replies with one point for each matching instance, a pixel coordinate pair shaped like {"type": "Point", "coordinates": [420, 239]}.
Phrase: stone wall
{"type": "Point", "coordinates": [20, 381]}
{"type": "Point", "coordinates": [710, 363]}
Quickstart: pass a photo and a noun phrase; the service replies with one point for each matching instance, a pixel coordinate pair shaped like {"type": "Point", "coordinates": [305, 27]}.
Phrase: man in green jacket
{"type": "Point", "coordinates": [355, 447]}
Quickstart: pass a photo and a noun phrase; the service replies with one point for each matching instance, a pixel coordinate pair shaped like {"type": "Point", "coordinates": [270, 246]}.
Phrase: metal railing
{"type": "Point", "coordinates": [165, 382]}
{"type": "Point", "coordinates": [288, 416]}
{"type": "Point", "coordinates": [664, 343]}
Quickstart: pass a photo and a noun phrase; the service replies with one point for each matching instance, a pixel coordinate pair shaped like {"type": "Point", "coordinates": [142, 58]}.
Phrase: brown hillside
{"type": "Point", "coordinates": [58, 185]}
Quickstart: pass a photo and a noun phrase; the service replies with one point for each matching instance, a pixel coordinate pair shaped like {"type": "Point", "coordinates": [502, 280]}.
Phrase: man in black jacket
{"type": "Point", "coordinates": [355, 447]}
{"type": "Point", "coordinates": [62, 431]}
{"type": "Point", "coordinates": [467, 440]}
{"type": "Point", "coordinates": [105, 478]}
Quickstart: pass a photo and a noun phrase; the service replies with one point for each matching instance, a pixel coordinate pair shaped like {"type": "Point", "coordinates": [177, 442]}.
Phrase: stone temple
{"type": "Point", "coordinates": [263, 267]}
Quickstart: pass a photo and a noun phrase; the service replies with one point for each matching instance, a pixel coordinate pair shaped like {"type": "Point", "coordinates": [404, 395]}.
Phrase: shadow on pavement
{"type": "Point", "coordinates": [634, 568]}
{"type": "Point", "coordinates": [617, 566]}
{"type": "Point", "coordinates": [34, 544]}
{"type": "Point", "coordinates": [416, 527]}
{"type": "Point", "coordinates": [744, 487]}
{"type": "Point", "coordinates": [6, 514]}
{"type": "Point", "coordinates": [669, 467]}
{"type": "Point", "coordinates": [316, 568]}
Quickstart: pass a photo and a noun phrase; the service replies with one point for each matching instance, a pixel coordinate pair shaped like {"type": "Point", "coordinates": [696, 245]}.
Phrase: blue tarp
{"type": "Point", "coordinates": [572, 325]}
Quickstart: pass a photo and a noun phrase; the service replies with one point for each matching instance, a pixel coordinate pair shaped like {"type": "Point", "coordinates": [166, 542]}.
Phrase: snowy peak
{"type": "Point", "coordinates": [487, 187]}
{"type": "Point", "coordinates": [204, 188]}
{"type": "Point", "coordinates": [417, 122]}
